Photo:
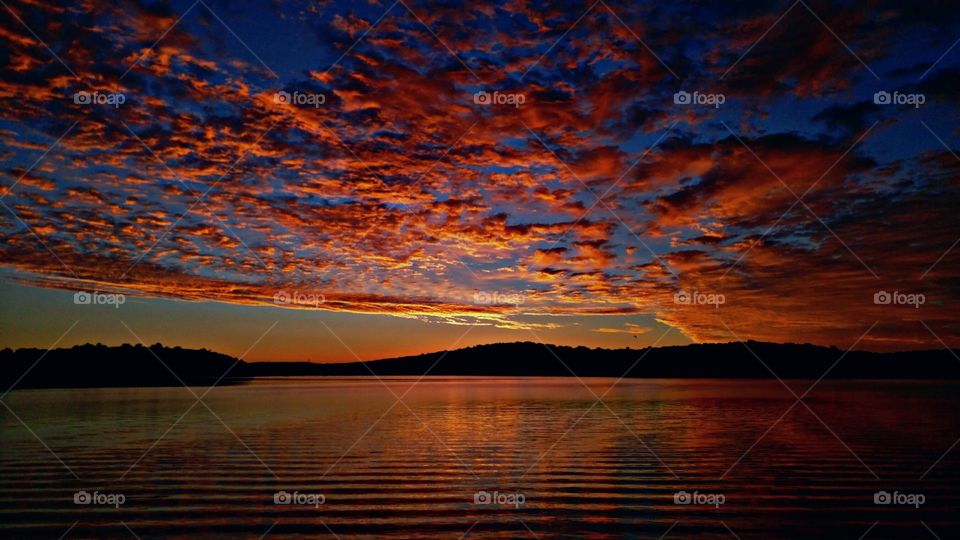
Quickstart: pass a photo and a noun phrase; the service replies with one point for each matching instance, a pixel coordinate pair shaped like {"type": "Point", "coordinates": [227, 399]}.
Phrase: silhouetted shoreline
{"type": "Point", "coordinates": [135, 365]}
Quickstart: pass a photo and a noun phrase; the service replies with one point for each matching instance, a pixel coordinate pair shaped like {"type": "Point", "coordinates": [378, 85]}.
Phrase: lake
{"type": "Point", "coordinates": [484, 458]}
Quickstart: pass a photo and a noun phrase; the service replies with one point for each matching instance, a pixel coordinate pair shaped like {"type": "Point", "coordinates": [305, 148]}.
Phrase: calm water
{"type": "Point", "coordinates": [414, 469]}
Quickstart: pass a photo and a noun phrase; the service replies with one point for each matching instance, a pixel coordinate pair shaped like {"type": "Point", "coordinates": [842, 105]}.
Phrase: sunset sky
{"type": "Point", "coordinates": [321, 179]}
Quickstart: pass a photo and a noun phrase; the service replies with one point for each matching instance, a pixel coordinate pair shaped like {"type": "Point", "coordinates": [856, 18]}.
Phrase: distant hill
{"type": "Point", "coordinates": [711, 360]}
{"type": "Point", "coordinates": [127, 365]}
{"type": "Point", "coordinates": [98, 365]}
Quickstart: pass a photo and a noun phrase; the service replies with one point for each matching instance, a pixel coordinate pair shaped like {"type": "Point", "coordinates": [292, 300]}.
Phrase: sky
{"type": "Point", "coordinates": [342, 180]}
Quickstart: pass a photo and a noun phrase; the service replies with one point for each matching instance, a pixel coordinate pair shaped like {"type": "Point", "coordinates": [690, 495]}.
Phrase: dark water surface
{"type": "Point", "coordinates": [418, 468]}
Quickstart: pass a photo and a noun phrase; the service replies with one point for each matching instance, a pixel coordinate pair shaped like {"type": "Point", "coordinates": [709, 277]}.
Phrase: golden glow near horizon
{"type": "Point", "coordinates": [594, 195]}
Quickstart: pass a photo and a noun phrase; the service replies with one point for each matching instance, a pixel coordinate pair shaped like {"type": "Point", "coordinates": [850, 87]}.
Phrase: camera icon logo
{"type": "Point", "coordinates": [882, 298]}
{"type": "Point", "coordinates": [682, 98]}
{"type": "Point", "coordinates": [881, 98]}
{"type": "Point", "coordinates": [82, 98]}
{"type": "Point", "coordinates": [882, 497]}
{"type": "Point", "coordinates": [281, 298]}
{"type": "Point", "coordinates": [481, 98]}
{"type": "Point", "coordinates": [682, 297]}
{"type": "Point", "coordinates": [82, 298]}
{"type": "Point", "coordinates": [281, 97]}
{"type": "Point", "coordinates": [482, 497]}
{"type": "Point", "coordinates": [282, 497]}
{"type": "Point", "coordinates": [82, 497]}
{"type": "Point", "coordinates": [682, 497]}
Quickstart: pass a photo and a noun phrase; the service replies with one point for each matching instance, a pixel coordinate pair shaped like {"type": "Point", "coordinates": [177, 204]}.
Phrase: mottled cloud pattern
{"type": "Point", "coordinates": [488, 162]}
